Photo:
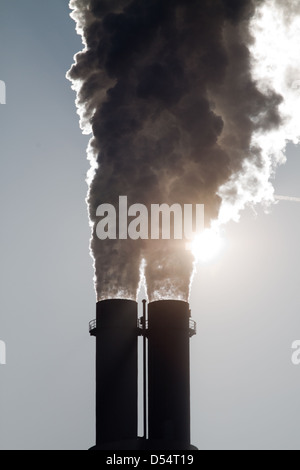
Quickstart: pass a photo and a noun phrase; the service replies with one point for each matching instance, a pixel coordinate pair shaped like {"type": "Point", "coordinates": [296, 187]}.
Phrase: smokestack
{"type": "Point", "coordinates": [116, 374]}
{"type": "Point", "coordinates": [170, 329]}
{"type": "Point", "coordinates": [167, 373]}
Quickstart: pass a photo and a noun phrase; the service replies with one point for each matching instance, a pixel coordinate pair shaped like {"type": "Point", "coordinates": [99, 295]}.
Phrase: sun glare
{"type": "Point", "coordinates": [207, 246]}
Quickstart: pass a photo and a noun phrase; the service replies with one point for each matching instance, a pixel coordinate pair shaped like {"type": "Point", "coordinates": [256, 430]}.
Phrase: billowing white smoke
{"type": "Point", "coordinates": [188, 102]}
{"type": "Point", "coordinates": [275, 28]}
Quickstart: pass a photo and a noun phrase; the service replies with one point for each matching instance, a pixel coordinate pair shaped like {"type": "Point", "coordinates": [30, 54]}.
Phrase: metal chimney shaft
{"type": "Point", "coordinates": [116, 373]}
{"type": "Point", "coordinates": [169, 331]}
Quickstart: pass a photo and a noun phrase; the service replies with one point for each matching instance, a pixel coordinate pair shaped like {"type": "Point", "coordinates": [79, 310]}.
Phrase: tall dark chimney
{"type": "Point", "coordinates": [166, 366]}
{"type": "Point", "coordinates": [169, 330]}
{"type": "Point", "coordinates": [116, 374]}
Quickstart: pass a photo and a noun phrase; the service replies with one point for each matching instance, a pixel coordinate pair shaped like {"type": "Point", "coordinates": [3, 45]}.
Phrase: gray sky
{"type": "Point", "coordinates": [244, 388]}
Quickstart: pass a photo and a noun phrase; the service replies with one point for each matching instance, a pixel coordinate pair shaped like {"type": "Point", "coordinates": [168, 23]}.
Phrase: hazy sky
{"type": "Point", "coordinates": [245, 390]}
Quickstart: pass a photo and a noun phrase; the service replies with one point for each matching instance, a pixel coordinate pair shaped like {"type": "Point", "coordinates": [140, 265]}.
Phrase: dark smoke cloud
{"type": "Point", "coordinates": [166, 86]}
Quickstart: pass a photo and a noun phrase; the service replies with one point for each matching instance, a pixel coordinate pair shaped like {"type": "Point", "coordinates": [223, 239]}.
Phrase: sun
{"type": "Point", "coordinates": [207, 246]}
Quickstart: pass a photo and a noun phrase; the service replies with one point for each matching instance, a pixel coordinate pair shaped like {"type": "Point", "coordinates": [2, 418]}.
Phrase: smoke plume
{"type": "Point", "coordinates": [179, 112]}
